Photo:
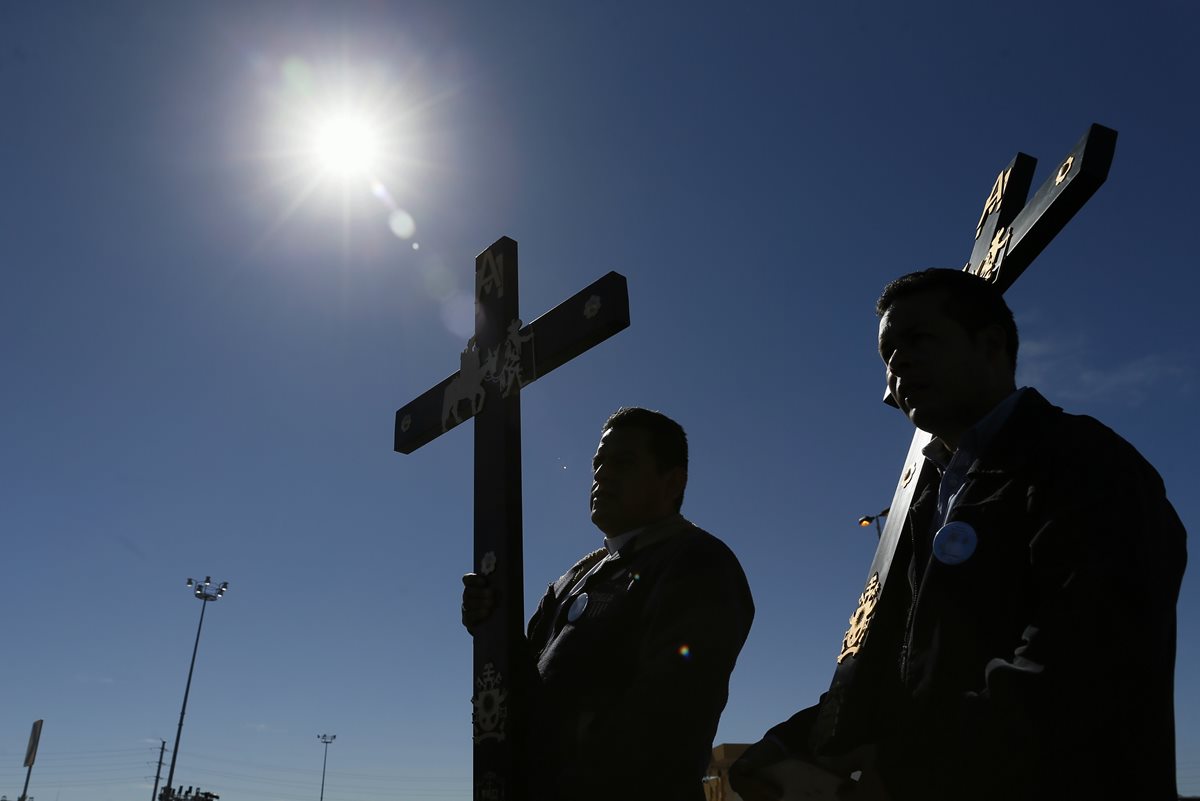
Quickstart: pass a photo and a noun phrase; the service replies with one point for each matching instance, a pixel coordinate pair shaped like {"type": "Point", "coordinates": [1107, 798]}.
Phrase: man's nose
{"type": "Point", "coordinates": [898, 361]}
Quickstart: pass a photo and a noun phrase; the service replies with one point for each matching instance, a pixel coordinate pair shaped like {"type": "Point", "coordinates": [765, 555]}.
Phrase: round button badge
{"type": "Point", "coordinates": [577, 606]}
{"type": "Point", "coordinates": [954, 543]}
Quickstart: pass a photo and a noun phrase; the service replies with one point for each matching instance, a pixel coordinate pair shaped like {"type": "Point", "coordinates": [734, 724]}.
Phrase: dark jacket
{"type": "Point", "coordinates": [1042, 667]}
{"type": "Point", "coordinates": [628, 694]}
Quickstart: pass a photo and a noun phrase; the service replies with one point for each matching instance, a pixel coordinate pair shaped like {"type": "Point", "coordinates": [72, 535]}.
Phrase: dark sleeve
{"type": "Point", "coordinates": [658, 735]}
{"type": "Point", "coordinates": [1083, 703]}
{"type": "Point", "coordinates": [792, 736]}
{"type": "Point", "coordinates": [535, 633]}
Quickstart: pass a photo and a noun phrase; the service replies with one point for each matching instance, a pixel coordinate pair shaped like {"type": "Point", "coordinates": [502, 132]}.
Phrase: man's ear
{"type": "Point", "coordinates": [994, 342]}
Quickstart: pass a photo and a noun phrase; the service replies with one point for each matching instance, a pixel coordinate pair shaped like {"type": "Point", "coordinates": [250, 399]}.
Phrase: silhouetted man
{"type": "Point", "coordinates": [1030, 654]}
{"type": "Point", "coordinates": [634, 645]}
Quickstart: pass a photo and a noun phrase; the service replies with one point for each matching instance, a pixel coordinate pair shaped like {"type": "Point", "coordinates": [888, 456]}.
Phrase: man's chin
{"type": "Point", "coordinates": [922, 417]}
{"type": "Point", "coordinates": [605, 522]}
{"type": "Point", "coordinates": [933, 424]}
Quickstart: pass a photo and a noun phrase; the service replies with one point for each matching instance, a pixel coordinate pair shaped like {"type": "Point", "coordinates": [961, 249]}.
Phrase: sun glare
{"type": "Point", "coordinates": [347, 145]}
{"type": "Point", "coordinates": [344, 139]}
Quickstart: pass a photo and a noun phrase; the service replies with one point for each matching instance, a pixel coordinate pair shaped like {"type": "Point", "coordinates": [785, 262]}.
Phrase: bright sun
{"type": "Point", "coordinates": [346, 145]}
{"type": "Point", "coordinates": [342, 137]}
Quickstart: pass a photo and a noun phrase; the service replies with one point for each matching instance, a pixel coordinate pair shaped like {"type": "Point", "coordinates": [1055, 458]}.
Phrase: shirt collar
{"type": "Point", "coordinates": [615, 544]}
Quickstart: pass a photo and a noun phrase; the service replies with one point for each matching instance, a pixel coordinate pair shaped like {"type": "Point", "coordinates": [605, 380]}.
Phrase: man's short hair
{"type": "Point", "coordinates": [667, 439]}
{"type": "Point", "coordinates": [971, 301]}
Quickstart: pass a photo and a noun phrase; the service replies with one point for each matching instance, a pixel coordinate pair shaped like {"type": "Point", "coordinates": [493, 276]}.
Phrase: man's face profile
{"type": "Point", "coordinates": [628, 491]}
{"type": "Point", "coordinates": [940, 376]}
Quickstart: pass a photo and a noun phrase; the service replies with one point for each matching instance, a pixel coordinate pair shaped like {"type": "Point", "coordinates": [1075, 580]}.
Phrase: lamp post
{"type": "Point", "coordinates": [205, 592]}
{"type": "Point", "coordinates": [327, 739]}
{"type": "Point", "coordinates": [867, 520]}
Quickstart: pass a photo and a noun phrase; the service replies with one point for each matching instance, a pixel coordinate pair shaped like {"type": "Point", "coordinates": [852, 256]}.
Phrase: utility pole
{"type": "Point", "coordinates": [158, 773]}
{"type": "Point", "coordinates": [327, 739]}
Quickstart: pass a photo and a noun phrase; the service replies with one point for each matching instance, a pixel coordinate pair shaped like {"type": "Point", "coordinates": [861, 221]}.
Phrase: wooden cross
{"type": "Point", "coordinates": [1009, 235]}
{"type": "Point", "coordinates": [501, 358]}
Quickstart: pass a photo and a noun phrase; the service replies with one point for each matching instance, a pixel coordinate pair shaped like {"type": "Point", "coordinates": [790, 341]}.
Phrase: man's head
{"type": "Point", "coordinates": [639, 471]}
{"type": "Point", "coordinates": [949, 343]}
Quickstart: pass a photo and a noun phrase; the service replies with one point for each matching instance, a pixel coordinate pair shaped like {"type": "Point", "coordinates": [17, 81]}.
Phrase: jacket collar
{"type": "Point", "coordinates": [648, 536]}
{"type": "Point", "coordinates": [1009, 449]}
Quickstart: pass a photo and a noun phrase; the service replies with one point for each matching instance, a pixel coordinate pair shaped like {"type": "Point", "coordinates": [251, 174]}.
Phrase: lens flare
{"type": "Point", "coordinates": [297, 76]}
{"type": "Point", "coordinates": [458, 314]}
{"type": "Point", "coordinates": [402, 224]}
{"type": "Point", "coordinates": [439, 281]}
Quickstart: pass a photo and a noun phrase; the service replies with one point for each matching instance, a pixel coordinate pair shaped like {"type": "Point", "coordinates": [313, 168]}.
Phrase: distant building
{"type": "Point", "coordinates": [192, 794]}
{"type": "Point", "coordinates": [716, 781]}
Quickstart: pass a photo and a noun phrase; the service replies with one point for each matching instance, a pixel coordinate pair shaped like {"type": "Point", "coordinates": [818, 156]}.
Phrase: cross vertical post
{"type": "Point", "coordinates": [497, 662]}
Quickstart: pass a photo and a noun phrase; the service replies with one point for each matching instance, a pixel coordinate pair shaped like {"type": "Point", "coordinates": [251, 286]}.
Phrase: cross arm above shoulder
{"type": "Point", "coordinates": [1072, 183]}
{"type": "Point", "coordinates": [579, 323]}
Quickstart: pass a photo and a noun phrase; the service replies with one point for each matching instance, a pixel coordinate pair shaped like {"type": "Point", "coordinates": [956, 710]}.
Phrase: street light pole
{"type": "Point", "coordinates": [205, 592]}
{"type": "Point", "coordinates": [327, 739]}
{"type": "Point", "coordinates": [867, 520]}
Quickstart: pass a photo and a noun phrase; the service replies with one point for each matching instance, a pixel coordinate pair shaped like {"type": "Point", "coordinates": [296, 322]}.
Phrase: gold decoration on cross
{"type": "Point", "coordinates": [1064, 170]}
{"type": "Point", "coordinates": [993, 199]}
{"type": "Point", "coordinates": [989, 268]}
{"type": "Point", "coordinates": [860, 620]}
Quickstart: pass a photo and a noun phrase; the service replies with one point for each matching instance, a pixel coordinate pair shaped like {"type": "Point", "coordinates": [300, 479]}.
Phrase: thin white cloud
{"type": "Point", "coordinates": [1066, 370]}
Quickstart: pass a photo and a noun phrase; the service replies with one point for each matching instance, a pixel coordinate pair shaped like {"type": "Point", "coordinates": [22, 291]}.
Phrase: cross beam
{"type": "Point", "coordinates": [498, 361]}
{"type": "Point", "coordinates": [1009, 235]}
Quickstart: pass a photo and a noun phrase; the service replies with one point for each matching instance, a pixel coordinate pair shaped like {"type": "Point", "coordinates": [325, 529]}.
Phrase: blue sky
{"type": "Point", "coordinates": [203, 345]}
